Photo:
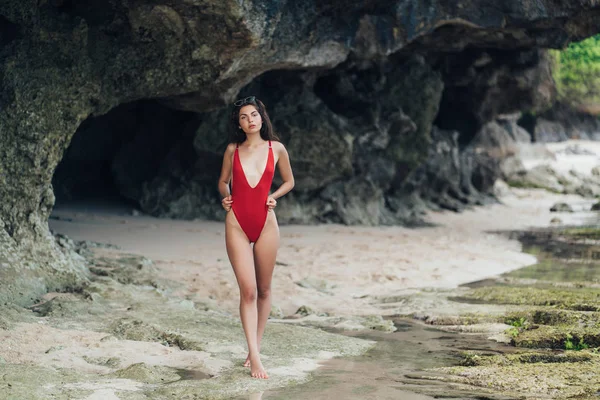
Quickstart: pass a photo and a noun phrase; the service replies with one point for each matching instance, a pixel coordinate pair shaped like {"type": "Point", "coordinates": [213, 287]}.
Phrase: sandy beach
{"type": "Point", "coordinates": [330, 268]}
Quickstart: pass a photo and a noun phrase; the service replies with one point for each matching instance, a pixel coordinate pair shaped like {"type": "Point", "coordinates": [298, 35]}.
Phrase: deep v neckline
{"type": "Point", "coordinates": [244, 172]}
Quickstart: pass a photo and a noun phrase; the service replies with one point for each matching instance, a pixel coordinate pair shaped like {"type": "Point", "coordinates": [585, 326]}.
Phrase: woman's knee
{"type": "Point", "coordinates": [264, 292]}
{"type": "Point", "coordinates": [248, 294]}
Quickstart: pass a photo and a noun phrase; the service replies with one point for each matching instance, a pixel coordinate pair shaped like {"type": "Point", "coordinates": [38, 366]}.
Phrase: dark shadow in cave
{"type": "Point", "coordinates": [8, 31]}
{"type": "Point", "coordinates": [454, 114]}
{"type": "Point", "coordinates": [528, 122]}
{"type": "Point", "coordinates": [350, 93]}
{"type": "Point", "coordinates": [110, 157]}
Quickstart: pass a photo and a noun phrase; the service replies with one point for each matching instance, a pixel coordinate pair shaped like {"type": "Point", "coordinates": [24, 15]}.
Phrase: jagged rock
{"type": "Point", "coordinates": [561, 207]}
{"type": "Point", "coordinates": [549, 131]}
{"type": "Point", "coordinates": [545, 177]}
{"type": "Point", "coordinates": [512, 166]}
{"type": "Point", "coordinates": [501, 188]}
{"type": "Point", "coordinates": [305, 310]}
{"type": "Point", "coordinates": [541, 176]}
{"type": "Point", "coordinates": [583, 185]}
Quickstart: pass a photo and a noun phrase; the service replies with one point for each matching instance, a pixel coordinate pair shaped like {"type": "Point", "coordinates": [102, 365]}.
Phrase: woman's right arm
{"type": "Point", "coordinates": [225, 177]}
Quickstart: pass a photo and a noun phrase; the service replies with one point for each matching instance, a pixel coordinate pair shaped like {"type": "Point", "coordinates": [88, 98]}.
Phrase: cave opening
{"type": "Point", "coordinates": [455, 114]}
{"type": "Point", "coordinates": [528, 121]}
{"type": "Point", "coordinates": [112, 157]}
{"type": "Point", "coordinates": [9, 31]}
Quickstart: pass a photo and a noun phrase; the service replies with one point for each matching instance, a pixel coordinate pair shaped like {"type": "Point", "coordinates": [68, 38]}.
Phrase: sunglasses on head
{"type": "Point", "coordinates": [247, 100]}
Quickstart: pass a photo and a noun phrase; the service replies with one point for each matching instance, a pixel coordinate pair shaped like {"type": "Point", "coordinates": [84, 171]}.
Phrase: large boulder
{"type": "Point", "coordinates": [549, 131]}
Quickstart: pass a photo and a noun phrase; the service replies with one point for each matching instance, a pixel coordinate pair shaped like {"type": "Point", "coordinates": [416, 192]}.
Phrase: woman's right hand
{"type": "Point", "coordinates": [226, 203]}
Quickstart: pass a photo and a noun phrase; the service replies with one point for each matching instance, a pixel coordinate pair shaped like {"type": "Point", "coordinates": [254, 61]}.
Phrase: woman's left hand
{"type": "Point", "coordinates": [271, 203]}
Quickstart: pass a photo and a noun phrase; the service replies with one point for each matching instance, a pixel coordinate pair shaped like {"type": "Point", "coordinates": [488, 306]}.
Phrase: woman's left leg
{"type": "Point", "coordinates": [265, 254]}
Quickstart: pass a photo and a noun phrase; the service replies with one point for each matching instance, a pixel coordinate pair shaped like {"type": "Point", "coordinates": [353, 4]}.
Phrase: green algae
{"type": "Point", "coordinates": [545, 377]}
{"type": "Point", "coordinates": [551, 271]}
{"type": "Point", "coordinates": [472, 358]}
{"type": "Point", "coordinates": [557, 337]}
{"type": "Point", "coordinates": [550, 316]}
{"type": "Point", "coordinates": [463, 319]}
{"type": "Point", "coordinates": [586, 232]}
{"type": "Point", "coordinates": [582, 299]}
{"type": "Point", "coordinates": [133, 329]}
{"type": "Point", "coordinates": [24, 382]}
{"type": "Point", "coordinates": [526, 184]}
{"type": "Point", "coordinates": [104, 361]}
{"type": "Point", "coordinates": [141, 372]}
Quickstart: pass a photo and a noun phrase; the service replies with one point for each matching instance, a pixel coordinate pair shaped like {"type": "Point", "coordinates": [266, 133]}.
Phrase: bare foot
{"type": "Point", "coordinates": [257, 370]}
{"type": "Point", "coordinates": [247, 362]}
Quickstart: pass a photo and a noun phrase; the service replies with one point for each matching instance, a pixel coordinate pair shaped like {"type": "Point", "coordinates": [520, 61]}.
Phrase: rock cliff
{"type": "Point", "coordinates": [383, 105]}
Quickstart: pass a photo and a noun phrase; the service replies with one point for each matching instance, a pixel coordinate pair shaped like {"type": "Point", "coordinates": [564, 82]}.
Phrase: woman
{"type": "Point", "coordinates": [249, 163]}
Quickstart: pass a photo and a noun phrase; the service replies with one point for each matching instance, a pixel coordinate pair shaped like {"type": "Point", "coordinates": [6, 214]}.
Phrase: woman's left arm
{"type": "Point", "coordinates": [285, 170]}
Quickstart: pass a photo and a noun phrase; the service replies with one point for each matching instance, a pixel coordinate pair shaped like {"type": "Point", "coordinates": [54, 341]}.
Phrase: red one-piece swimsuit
{"type": "Point", "coordinates": [250, 203]}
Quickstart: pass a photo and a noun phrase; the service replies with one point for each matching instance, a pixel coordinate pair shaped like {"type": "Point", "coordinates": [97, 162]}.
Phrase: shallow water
{"type": "Point", "coordinates": [393, 369]}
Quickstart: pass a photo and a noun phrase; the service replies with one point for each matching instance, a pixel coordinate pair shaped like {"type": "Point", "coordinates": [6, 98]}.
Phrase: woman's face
{"type": "Point", "coordinates": [249, 119]}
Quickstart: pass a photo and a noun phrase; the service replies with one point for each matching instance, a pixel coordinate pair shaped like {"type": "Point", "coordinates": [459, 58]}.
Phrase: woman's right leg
{"type": "Point", "coordinates": [242, 260]}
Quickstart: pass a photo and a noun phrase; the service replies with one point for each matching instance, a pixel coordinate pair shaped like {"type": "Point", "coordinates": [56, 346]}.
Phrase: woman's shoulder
{"type": "Point", "coordinates": [277, 145]}
{"type": "Point", "coordinates": [230, 147]}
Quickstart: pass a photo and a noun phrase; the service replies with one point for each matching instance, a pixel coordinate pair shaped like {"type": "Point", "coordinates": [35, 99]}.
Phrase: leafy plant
{"type": "Point", "coordinates": [517, 325]}
{"type": "Point", "coordinates": [569, 345]}
{"type": "Point", "coordinates": [520, 322]}
{"type": "Point", "coordinates": [513, 332]}
{"type": "Point", "coordinates": [576, 71]}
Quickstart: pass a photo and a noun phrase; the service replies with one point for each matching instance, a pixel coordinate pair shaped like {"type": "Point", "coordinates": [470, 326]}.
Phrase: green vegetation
{"type": "Point", "coordinates": [577, 299]}
{"type": "Point", "coordinates": [569, 345]}
{"type": "Point", "coordinates": [576, 71]}
{"type": "Point", "coordinates": [517, 325]}
{"type": "Point", "coordinates": [591, 232]}
{"type": "Point", "coordinates": [520, 322]}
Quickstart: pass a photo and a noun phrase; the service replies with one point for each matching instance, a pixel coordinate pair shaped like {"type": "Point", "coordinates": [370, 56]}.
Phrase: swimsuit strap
{"type": "Point", "coordinates": [269, 144]}
{"type": "Point", "coordinates": [237, 145]}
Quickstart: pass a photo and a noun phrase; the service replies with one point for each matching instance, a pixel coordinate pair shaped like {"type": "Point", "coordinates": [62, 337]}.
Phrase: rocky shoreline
{"type": "Point", "coordinates": [550, 320]}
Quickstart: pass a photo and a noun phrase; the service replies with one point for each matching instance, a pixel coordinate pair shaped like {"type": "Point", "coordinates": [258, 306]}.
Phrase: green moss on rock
{"type": "Point", "coordinates": [532, 375]}
{"type": "Point", "coordinates": [557, 337]}
{"type": "Point", "coordinates": [148, 373]}
{"type": "Point", "coordinates": [583, 299]}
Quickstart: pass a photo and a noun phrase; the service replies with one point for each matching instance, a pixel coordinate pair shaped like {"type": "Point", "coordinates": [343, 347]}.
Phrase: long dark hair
{"type": "Point", "coordinates": [237, 135]}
